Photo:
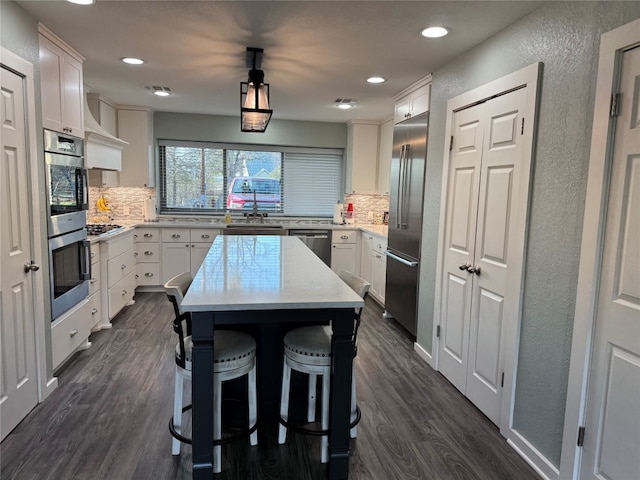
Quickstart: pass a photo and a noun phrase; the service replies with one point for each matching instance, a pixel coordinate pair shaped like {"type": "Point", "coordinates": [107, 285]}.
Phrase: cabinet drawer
{"type": "Point", "coordinates": [94, 281]}
{"type": "Point", "coordinates": [147, 252]}
{"type": "Point", "coordinates": [95, 310]}
{"type": "Point", "coordinates": [94, 248]}
{"type": "Point", "coordinates": [176, 235]}
{"type": "Point", "coordinates": [69, 332]}
{"type": "Point", "coordinates": [344, 236]}
{"type": "Point", "coordinates": [121, 294]}
{"type": "Point", "coordinates": [147, 235]}
{"type": "Point", "coordinates": [120, 267]}
{"type": "Point", "coordinates": [148, 274]}
{"type": "Point", "coordinates": [204, 235]}
{"type": "Point", "coordinates": [119, 245]}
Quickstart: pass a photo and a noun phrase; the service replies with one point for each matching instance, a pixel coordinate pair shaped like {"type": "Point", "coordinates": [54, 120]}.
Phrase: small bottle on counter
{"type": "Point", "coordinates": [227, 218]}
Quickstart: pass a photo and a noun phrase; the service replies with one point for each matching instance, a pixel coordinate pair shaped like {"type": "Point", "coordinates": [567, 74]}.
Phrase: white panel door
{"type": "Point", "coordinates": [612, 433]}
{"type": "Point", "coordinates": [492, 303]}
{"type": "Point", "coordinates": [18, 382]}
{"type": "Point", "coordinates": [460, 233]}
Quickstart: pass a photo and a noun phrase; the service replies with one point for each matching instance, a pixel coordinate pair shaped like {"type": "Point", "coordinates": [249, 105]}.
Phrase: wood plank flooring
{"type": "Point", "coordinates": [108, 417]}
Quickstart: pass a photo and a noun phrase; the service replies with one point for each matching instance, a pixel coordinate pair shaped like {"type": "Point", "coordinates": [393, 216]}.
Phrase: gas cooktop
{"type": "Point", "coordinates": [103, 229]}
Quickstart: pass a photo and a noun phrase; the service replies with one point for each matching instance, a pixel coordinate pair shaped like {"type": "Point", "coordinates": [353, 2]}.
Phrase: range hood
{"type": "Point", "coordinates": [104, 150]}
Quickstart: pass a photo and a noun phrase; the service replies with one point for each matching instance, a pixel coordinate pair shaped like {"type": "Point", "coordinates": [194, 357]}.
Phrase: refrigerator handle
{"type": "Point", "coordinates": [400, 259]}
{"type": "Point", "coordinates": [407, 159]}
{"type": "Point", "coordinates": [400, 187]}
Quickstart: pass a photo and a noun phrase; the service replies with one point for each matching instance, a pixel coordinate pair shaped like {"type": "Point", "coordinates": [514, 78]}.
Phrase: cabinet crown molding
{"type": "Point", "coordinates": [414, 86]}
{"type": "Point", "coordinates": [46, 32]}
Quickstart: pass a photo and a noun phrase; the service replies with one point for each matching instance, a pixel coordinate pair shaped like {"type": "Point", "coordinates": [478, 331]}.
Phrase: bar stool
{"type": "Point", "coordinates": [234, 357]}
{"type": "Point", "coordinates": [308, 350]}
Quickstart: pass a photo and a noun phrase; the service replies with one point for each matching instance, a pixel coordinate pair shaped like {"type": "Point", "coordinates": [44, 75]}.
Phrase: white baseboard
{"type": "Point", "coordinates": [49, 387]}
{"type": "Point", "coordinates": [423, 354]}
{"type": "Point", "coordinates": [532, 456]}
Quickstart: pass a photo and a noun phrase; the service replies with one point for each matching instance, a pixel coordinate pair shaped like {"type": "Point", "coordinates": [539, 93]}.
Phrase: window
{"type": "Point", "coordinates": [212, 178]}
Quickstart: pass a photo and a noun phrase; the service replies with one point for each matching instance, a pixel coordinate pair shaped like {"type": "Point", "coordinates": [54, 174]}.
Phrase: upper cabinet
{"type": "Point", "coordinates": [61, 85]}
{"type": "Point", "coordinates": [385, 151]}
{"type": "Point", "coordinates": [104, 111]}
{"type": "Point", "coordinates": [413, 100]}
{"type": "Point", "coordinates": [362, 157]}
{"type": "Point", "coordinates": [135, 125]}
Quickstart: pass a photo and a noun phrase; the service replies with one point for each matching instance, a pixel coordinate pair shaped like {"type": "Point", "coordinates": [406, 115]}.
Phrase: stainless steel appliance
{"type": "Point", "coordinates": [70, 270]}
{"type": "Point", "coordinates": [103, 229]}
{"type": "Point", "coordinates": [408, 164]}
{"type": "Point", "coordinates": [319, 241]}
{"type": "Point", "coordinates": [66, 179]}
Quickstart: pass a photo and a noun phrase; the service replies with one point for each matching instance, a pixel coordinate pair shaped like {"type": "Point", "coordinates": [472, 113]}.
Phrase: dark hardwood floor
{"type": "Point", "coordinates": [108, 417]}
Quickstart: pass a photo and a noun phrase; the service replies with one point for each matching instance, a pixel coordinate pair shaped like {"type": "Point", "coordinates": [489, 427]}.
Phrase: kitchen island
{"type": "Point", "coordinates": [249, 280]}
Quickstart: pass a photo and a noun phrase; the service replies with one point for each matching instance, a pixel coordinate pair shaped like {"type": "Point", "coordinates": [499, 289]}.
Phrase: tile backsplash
{"type": "Point", "coordinates": [129, 205]}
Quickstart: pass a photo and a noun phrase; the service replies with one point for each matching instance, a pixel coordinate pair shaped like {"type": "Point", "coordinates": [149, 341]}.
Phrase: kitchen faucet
{"type": "Point", "coordinates": [255, 213]}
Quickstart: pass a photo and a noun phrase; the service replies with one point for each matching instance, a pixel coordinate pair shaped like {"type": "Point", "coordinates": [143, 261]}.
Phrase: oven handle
{"type": "Point", "coordinates": [82, 189]}
{"type": "Point", "coordinates": [86, 265]}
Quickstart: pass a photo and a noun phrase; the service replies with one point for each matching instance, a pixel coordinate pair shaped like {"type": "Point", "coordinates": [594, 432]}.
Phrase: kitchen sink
{"type": "Point", "coordinates": [254, 229]}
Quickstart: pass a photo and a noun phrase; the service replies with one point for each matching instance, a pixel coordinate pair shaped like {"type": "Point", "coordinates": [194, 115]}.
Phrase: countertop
{"type": "Point", "coordinates": [265, 272]}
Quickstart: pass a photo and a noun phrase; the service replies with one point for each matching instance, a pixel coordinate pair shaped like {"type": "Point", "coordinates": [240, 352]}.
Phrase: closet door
{"type": "Point", "coordinates": [494, 305]}
{"type": "Point", "coordinates": [460, 234]}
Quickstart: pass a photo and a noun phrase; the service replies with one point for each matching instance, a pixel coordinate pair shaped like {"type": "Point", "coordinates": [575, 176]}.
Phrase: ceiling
{"type": "Point", "coordinates": [314, 51]}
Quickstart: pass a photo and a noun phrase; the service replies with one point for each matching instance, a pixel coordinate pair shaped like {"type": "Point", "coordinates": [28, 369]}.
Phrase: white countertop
{"type": "Point", "coordinates": [265, 272]}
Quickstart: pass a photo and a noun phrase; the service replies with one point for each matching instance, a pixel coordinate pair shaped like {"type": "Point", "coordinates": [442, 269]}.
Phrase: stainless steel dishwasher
{"type": "Point", "coordinates": [319, 241]}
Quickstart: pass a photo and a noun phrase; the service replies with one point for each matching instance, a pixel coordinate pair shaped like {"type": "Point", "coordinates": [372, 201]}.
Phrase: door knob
{"type": "Point", "coordinates": [31, 267]}
{"type": "Point", "coordinates": [466, 266]}
{"type": "Point", "coordinates": [475, 270]}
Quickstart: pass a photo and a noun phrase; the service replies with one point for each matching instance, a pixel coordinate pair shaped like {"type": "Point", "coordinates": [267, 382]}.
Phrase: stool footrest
{"type": "Point", "coordinates": [222, 441]}
{"type": "Point", "coordinates": [314, 431]}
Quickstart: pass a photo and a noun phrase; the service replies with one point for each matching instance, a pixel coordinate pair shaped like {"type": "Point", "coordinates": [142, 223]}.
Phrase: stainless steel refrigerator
{"type": "Point", "coordinates": [406, 195]}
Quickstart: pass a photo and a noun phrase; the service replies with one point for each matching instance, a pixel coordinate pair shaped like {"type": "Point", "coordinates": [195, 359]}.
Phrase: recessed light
{"type": "Point", "coordinates": [434, 32]}
{"type": "Point", "coordinates": [346, 103]}
{"type": "Point", "coordinates": [81, 2]}
{"type": "Point", "coordinates": [376, 80]}
{"type": "Point", "coordinates": [132, 60]}
{"type": "Point", "coordinates": [344, 106]}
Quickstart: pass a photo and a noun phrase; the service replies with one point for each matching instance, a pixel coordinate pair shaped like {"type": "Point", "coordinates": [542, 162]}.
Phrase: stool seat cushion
{"type": "Point", "coordinates": [231, 350]}
{"type": "Point", "coordinates": [309, 345]}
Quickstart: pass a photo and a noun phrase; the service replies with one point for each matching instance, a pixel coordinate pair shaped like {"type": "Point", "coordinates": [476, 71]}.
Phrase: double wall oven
{"type": "Point", "coordinates": [67, 202]}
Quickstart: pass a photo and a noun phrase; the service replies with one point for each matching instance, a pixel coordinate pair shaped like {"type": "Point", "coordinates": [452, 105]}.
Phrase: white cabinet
{"type": "Point", "coordinates": [184, 250]}
{"type": "Point", "coordinates": [413, 100]}
{"type": "Point", "coordinates": [61, 85]}
{"type": "Point", "coordinates": [104, 112]}
{"type": "Point", "coordinates": [70, 332]}
{"type": "Point", "coordinates": [119, 274]}
{"type": "Point", "coordinates": [135, 125]}
{"type": "Point", "coordinates": [362, 157]}
{"type": "Point", "coordinates": [147, 253]}
{"type": "Point", "coordinates": [344, 251]}
{"type": "Point", "coordinates": [95, 287]}
{"type": "Point", "coordinates": [385, 150]}
{"type": "Point", "coordinates": [373, 266]}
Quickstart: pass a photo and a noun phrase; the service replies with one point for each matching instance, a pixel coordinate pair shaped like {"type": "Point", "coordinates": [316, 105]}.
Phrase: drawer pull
{"type": "Point", "coordinates": [123, 266]}
{"type": "Point", "coordinates": [124, 292]}
{"type": "Point", "coordinates": [93, 280]}
{"type": "Point", "coordinates": [93, 254]}
{"type": "Point", "coordinates": [148, 252]}
{"type": "Point", "coordinates": [94, 311]}
{"type": "Point", "coordinates": [135, 254]}
{"type": "Point", "coordinates": [149, 235]}
{"type": "Point", "coordinates": [175, 235]}
{"type": "Point", "coordinates": [344, 237]}
{"type": "Point", "coordinates": [148, 274]}
{"type": "Point", "coordinates": [73, 332]}
{"type": "Point", "coordinates": [205, 235]}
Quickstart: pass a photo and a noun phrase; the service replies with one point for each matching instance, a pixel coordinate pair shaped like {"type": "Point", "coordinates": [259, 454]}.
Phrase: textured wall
{"type": "Point", "coordinates": [565, 36]}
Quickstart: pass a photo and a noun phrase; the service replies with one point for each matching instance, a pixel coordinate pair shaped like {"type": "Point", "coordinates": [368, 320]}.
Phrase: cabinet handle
{"type": "Point", "coordinates": [378, 256]}
{"type": "Point", "coordinates": [149, 235]}
{"type": "Point", "coordinates": [123, 266]}
{"type": "Point", "coordinates": [124, 292]}
{"type": "Point", "coordinates": [205, 235]}
{"type": "Point", "coordinates": [94, 311]}
{"type": "Point", "coordinates": [148, 252]}
{"type": "Point", "coordinates": [135, 254]}
{"type": "Point", "coordinates": [175, 235]}
{"type": "Point", "coordinates": [344, 237]}
{"type": "Point", "coordinates": [192, 245]}
{"type": "Point", "coordinates": [137, 276]}
{"type": "Point", "coordinates": [93, 254]}
{"type": "Point", "coordinates": [135, 235]}
{"type": "Point", "coordinates": [73, 332]}
{"type": "Point", "coordinates": [93, 280]}
{"type": "Point", "coordinates": [148, 274]}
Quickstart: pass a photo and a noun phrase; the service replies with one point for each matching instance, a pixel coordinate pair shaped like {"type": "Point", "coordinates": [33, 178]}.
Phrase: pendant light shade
{"type": "Point", "coordinates": [254, 96]}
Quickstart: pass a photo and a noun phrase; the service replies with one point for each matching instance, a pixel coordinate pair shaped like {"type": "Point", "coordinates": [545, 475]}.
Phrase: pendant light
{"type": "Point", "coordinates": [254, 95]}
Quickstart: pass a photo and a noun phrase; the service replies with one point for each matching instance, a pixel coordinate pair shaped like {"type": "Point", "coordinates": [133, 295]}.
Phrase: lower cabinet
{"type": "Point", "coordinates": [147, 253]}
{"type": "Point", "coordinates": [344, 251]}
{"type": "Point", "coordinates": [184, 249]}
{"type": "Point", "coordinates": [374, 264]}
{"type": "Point", "coordinates": [70, 332]}
{"type": "Point", "coordinates": [95, 284]}
{"type": "Point", "coordinates": [119, 274]}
